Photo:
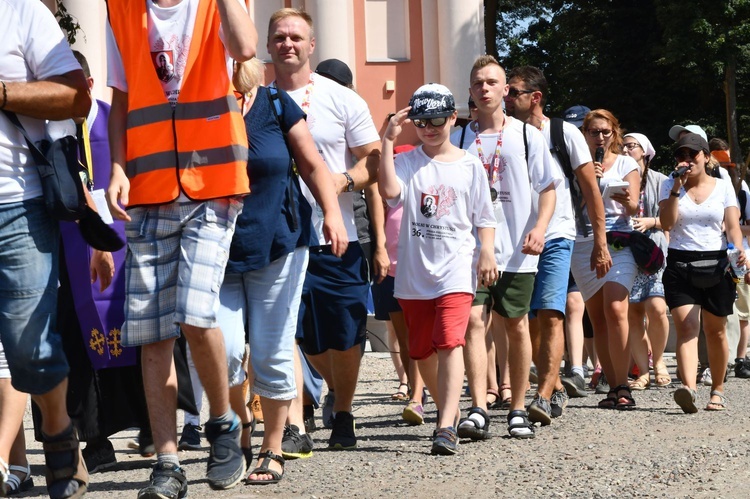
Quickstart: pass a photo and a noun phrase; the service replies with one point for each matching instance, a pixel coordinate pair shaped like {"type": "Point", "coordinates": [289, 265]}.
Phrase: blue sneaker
{"type": "Point", "coordinates": [445, 442]}
{"type": "Point", "coordinates": [226, 461]}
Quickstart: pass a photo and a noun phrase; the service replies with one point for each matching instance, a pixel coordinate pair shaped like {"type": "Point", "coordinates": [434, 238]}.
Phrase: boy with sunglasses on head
{"type": "Point", "coordinates": [444, 196]}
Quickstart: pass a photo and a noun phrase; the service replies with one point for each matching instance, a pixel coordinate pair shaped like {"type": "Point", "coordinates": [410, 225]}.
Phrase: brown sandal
{"type": "Point", "coordinates": [66, 451]}
{"type": "Point", "coordinates": [640, 383]}
{"type": "Point", "coordinates": [661, 376]}
{"type": "Point", "coordinates": [491, 392]}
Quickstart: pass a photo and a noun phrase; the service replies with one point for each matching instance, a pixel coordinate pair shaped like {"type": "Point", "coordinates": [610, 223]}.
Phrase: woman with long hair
{"type": "Point", "coordinates": [607, 298]}
{"type": "Point", "coordinates": [647, 295]}
{"type": "Point", "coordinates": [699, 210]}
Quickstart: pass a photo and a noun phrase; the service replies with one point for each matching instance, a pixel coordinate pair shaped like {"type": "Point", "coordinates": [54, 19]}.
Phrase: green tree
{"type": "Point", "coordinates": [653, 63]}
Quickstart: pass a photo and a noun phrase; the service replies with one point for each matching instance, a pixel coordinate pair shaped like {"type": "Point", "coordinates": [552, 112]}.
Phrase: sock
{"type": "Point", "coordinates": [577, 370]}
{"type": "Point", "coordinates": [168, 458]}
{"type": "Point", "coordinates": [476, 418]}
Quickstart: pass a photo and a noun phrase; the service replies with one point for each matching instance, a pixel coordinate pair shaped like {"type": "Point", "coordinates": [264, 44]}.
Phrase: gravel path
{"type": "Point", "coordinates": [652, 451]}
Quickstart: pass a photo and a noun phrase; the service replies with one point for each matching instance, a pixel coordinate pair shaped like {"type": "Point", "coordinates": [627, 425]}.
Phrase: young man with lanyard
{"type": "Point", "coordinates": [522, 181]}
{"type": "Point", "coordinates": [333, 314]}
{"type": "Point", "coordinates": [525, 101]}
{"type": "Point", "coordinates": [179, 166]}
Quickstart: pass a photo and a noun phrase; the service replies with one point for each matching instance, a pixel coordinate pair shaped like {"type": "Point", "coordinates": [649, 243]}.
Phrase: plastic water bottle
{"type": "Point", "coordinates": [734, 254]}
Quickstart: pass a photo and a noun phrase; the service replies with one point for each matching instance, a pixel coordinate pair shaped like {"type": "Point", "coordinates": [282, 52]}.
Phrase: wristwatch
{"type": "Point", "coordinates": [349, 182]}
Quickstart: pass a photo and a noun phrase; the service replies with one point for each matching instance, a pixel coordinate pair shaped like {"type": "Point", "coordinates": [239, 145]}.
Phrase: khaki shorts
{"type": "Point", "coordinates": [743, 301]}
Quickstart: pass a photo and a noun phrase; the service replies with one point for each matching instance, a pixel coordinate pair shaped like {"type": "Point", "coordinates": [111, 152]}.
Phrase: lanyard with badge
{"type": "Point", "coordinates": [491, 165]}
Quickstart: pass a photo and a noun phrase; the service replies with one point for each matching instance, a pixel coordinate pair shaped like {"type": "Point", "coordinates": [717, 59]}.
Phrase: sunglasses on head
{"type": "Point", "coordinates": [685, 154]}
{"type": "Point", "coordinates": [435, 122]}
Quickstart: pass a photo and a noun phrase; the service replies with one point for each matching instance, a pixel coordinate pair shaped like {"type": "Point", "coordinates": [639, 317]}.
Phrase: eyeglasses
{"type": "Point", "coordinates": [685, 154]}
{"type": "Point", "coordinates": [435, 122]}
{"type": "Point", "coordinates": [630, 146]}
{"type": "Point", "coordinates": [595, 133]}
{"type": "Point", "coordinates": [513, 93]}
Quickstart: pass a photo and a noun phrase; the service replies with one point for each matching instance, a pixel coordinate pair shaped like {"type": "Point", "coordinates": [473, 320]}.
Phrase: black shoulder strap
{"type": "Point", "coordinates": [277, 107]}
{"type": "Point", "coordinates": [525, 144]}
{"type": "Point", "coordinates": [463, 134]}
{"type": "Point", "coordinates": [38, 156]}
{"type": "Point", "coordinates": [742, 199]}
{"type": "Point", "coordinates": [558, 146]}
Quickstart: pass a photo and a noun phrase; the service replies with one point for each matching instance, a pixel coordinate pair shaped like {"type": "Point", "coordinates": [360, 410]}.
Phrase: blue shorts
{"type": "Point", "coordinates": [552, 278]}
{"type": "Point", "coordinates": [333, 312]}
{"type": "Point", "coordinates": [174, 267]}
{"type": "Point", "coordinates": [382, 297]}
{"type": "Point", "coordinates": [28, 297]}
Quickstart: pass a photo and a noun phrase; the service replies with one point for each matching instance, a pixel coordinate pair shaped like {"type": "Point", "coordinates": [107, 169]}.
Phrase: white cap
{"type": "Point", "coordinates": [675, 131]}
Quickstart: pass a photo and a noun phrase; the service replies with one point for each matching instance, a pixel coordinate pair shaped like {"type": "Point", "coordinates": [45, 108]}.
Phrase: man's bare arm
{"type": "Point", "coordinates": [240, 35]}
{"type": "Point", "coordinates": [56, 98]}
{"type": "Point", "coordinates": [365, 171]}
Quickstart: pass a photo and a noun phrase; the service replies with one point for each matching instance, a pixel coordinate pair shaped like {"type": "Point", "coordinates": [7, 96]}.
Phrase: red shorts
{"type": "Point", "coordinates": [437, 324]}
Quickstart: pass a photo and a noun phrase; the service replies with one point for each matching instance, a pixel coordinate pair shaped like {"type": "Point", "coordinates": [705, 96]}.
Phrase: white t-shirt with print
{"type": "Point", "coordinates": [338, 120]}
{"type": "Point", "coordinates": [563, 223]}
{"type": "Point", "coordinates": [699, 227]}
{"type": "Point", "coordinates": [33, 48]}
{"type": "Point", "coordinates": [615, 214]}
{"type": "Point", "coordinates": [442, 204]}
{"type": "Point", "coordinates": [515, 209]}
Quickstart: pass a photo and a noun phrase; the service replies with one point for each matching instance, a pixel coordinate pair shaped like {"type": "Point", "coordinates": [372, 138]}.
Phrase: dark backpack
{"type": "Point", "coordinates": [558, 148]}
{"type": "Point", "coordinates": [742, 200]}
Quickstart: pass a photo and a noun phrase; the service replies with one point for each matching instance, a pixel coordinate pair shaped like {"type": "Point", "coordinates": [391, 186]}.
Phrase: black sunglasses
{"type": "Point", "coordinates": [435, 122]}
{"type": "Point", "coordinates": [514, 92]}
{"type": "Point", "coordinates": [685, 154]}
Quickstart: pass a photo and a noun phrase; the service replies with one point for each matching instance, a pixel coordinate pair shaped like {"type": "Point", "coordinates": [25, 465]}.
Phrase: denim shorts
{"type": "Point", "coordinates": [553, 274]}
{"type": "Point", "coordinates": [174, 267]}
{"type": "Point", "coordinates": [28, 296]}
{"type": "Point", "coordinates": [266, 302]}
{"type": "Point", "coordinates": [645, 286]}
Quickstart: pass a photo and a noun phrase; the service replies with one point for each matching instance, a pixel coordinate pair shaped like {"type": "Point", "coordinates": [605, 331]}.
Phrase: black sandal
{"type": "Point", "coordinates": [525, 424]}
{"type": "Point", "coordinates": [468, 428]}
{"type": "Point", "coordinates": [610, 401]}
{"type": "Point", "coordinates": [624, 402]}
{"type": "Point", "coordinates": [263, 469]}
{"type": "Point", "coordinates": [65, 451]}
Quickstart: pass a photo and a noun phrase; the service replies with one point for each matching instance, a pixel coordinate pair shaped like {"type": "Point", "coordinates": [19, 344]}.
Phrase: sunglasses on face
{"type": "Point", "coordinates": [685, 155]}
{"type": "Point", "coordinates": [514, 92]}
{"type": "Point", "coordinates": [596, 133]}
{"type": "Point", "coordinates": [631, 146]}
{"type": "Point", "coordinates": [434, 122]}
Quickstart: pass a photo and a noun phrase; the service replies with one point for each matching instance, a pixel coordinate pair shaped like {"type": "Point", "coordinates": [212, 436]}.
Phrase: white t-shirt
{"type": "Point", "coordinates": [338, 120]}
{"type": "Point", "coordinates": [563, 223]}
{"type": "Point", "coordinates": [515, 209]}
{"type": "Point", "coordinates": [33, 48]}
{"type": "Point", "coordinates": [442, 204]}
{"type": "Point", "coordinates": [699, 226]}
{"type": "Point", "coordinates": [170, 31]}
{"type": "Point", "coordinates": [615, 215]}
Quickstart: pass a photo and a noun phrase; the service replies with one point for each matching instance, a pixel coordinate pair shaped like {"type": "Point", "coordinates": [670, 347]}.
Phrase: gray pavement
{"type": "Point", "coordinates": [652, 451]}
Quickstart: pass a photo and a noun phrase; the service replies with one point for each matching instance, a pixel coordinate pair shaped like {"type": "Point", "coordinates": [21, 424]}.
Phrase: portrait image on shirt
{"type": "Point", "coordinates": [429, 204]}
{"type": "Point", "coordinates": [164, 64]}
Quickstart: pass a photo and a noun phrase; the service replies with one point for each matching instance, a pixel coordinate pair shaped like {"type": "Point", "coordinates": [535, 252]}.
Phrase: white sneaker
{"type": "Point", "coordinates": [707, 377]}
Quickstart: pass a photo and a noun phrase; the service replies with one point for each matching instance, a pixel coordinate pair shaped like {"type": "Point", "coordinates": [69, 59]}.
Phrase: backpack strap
{"type": "Point", "coordinates": [278, 111]}
{"type": "Point", "coordinates": [463, 135]}
{"type": "Point", "coordinates": [742, 199]}
{"type": "Point", "coordinates": [560, 150]}
{"type": "Point", "coordinates": [525, 144]}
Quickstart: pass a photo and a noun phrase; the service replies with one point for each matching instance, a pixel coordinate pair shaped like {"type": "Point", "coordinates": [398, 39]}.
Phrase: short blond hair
{"type": "Point", "coordinates": [484, 61]}
{"type": "Point", "coordinates": [290, 12]}
{"type": "Point", "coordinates": [248, 75]}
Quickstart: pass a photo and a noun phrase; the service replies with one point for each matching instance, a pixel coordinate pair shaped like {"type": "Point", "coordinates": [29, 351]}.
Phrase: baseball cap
{"type": "Point", "coordinates": [336, 70]}
{"type": "Point", "coordinates": [692, 141]}
{"type": "Point", "coordinates": [648, 149]}
{"type": "Point", "coordinates": [432, 101]}
{"type": "Point", "coordinates": [675, 131]}
{"type": "Point", "coordinates": [576, 114]}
